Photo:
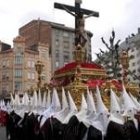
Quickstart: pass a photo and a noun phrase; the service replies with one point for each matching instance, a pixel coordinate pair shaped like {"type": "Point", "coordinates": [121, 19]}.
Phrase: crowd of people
{"type": "Point", "coordinates": [38, 118]}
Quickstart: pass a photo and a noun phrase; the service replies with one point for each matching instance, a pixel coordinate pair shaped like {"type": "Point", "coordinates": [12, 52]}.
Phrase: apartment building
{"type": "Point", "coordinates": [17, 69]}
{"type": "Point", "coordinates": [58, 37]}
{"type": "Point", "coordinates": [133, 43]}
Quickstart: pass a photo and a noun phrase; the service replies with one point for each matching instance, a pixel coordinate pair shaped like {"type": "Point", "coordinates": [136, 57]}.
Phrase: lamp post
{"type": "Point", "coordinates": [39, 68]}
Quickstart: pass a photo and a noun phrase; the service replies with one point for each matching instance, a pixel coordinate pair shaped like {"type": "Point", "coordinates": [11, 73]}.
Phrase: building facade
{"type": "Point", "coordinates": [133, 43]}
{"type": "Point", "coordinates": [17, 71]}
{"type": "Point", "coordinates": [59, 38]}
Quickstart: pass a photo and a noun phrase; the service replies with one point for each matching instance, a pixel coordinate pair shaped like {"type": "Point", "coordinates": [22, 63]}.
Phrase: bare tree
{"type": "Point", "coordinates": [110, 59]}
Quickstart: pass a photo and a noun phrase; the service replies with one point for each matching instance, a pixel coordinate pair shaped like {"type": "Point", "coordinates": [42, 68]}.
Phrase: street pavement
{"type": "Point", "coordinates": [2, 133]}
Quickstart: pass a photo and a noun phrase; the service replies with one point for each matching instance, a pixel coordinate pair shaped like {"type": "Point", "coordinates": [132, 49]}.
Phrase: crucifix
{"type": "Point", "coordinates": [78, 13]}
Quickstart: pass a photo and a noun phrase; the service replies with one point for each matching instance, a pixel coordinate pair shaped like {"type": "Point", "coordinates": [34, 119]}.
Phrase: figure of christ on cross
{"type": "Point", "coordinates": [78, 13]}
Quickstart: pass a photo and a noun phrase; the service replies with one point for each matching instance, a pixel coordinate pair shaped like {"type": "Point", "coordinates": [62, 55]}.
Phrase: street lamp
{"type": "Point", "coordinates": [39, 68]}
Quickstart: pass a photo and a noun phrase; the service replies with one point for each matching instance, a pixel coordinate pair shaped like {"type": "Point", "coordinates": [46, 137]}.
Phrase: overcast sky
{"type": "Point", "coordinates": [121, 15]}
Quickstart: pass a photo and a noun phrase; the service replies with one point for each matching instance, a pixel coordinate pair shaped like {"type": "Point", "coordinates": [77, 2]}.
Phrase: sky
{"type": "Point", "coordinates": [121, 15]}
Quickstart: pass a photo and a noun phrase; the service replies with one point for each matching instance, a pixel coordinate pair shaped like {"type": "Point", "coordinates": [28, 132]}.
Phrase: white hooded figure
{"type": "Point", "coordinates": [25, 100]}
{"type": "Point", "coordinates": [44, 102]}
{"type": "Point", "coordinates": [26, 103]}
{"type": "Point", "coordinates": [55, 105]}
{"type": "Point", "coordinates": [92, 117]}
{"type": "Point", "coordinates": [39, 100]}
{"type": "Point", "coordinates": [18, 110]}
{"type": "Point", "coordinates": [64, 99]}
{"type": "Point", "coordinates": [81, 115]}
{"type": "Point", "coordinates": [34, 104]}
{"type": "Point", "coordinates": [9, 108]}
{"type": "Point", "coordinates": [114, 104]}
{"type": "Point", "coordinates": [48, 110]}
{"type": "Point", "coordinates": [129, 107]}
{"type": "Point", "coordinates": [65, 108]}
{"type": "Point", "coordinates": [101, 108]}
{"type": "Point", "coordinates": [48, 99]}
{"type": "Point", "coordinates": [17, 102]}
{"type": "Point", "coordinates": [128, 103]}
{"type": "Point", "coordinates": [12, 100]}
{"type": "Point", "coordinates": [3, 106]}
{"type": "Point", "coordinates": [115, 109]}
{"type": "Point", "coordinates": [73, 109]}
{"type": "Point", "coordinates": [54, 108]}
{"type": "Point", "coordinates": [135, 102]}
{"type": "Point", "coordinates": [102, 111]}
{"type": "Point", "coordinates": [91, 107]}
{"type": "Point", "coordinates": [90, 102]}
{"type": "Point", "coordinates": [35, 100]}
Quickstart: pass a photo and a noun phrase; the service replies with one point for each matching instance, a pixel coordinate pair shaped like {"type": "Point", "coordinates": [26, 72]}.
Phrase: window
{"type": "Point", "coordinates": [57, 64]}
{"type": "Point", "coordinates": [4, 91]}
{"type": "Point", "coordinates": [133, 64]}
{"type": "Point", "coordinates": [57, 42]}
{"type": "Point", "coordinates": [65, 34]}
{"type": "Point", "coordinates": [3, 76]}
{"type": "Point", "coordinates": [18, 73]}
{"type": "Point", "coordinates": [65, 63]}
{"type": "Point", "coordinates": [43, 77]}
{"type": "Point", "coordinates": [7, 75]}
{"type": "Point", "coordinates": [28, 63]}
{"type": "Point", "coordinates": [33, 76]}
{"type": "Point", "coordinates": [18, 60]}
{"type": "Point", "coordinates": [31, 63]}
{"type": "Point", "coordinates": [18, 85]}
{"type": "Point", "coordinates": [132, 57]}
{"type": "Point", "coordinates": [138, 54]}
{"type": "Point", "coordinates": [29, 75]}
{"type": "Point", "coordinates": [57, 32]}
{"type": "Point", "coordinates": [138, 62]}
{"type": "Point", "coordinates": [43, 55]}
{"type": "Point", "coordinates": [57, 53]}
{"type": "Point", "coordinates": [4, 63]}
{"type": "Point", "coordinates": [18, 50]}
{"type": "Point", "coordinates": [66, 45]}
{"type": "Point", "coordinates": [8, 63]}
{"type": "Point", "coordinates": [66, 56]}
{"type": "Point", "coordinates": [132, 50]}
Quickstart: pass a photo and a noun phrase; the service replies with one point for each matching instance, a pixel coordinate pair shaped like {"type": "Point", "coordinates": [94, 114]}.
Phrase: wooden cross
{"type": "Point", "coordinates": [78, 13]}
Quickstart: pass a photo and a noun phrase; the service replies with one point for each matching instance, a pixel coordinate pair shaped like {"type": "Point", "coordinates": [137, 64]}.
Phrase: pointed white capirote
{"type": "Point", "coordinates": [71, 103]}
{"type": "Point", "coordinates": [48, 99]}
{"type": "Point", "coordinates": [39, 98]}
{"type": "Point", "coordinates": [44, 103]}
{"type": "Point", "coordinates": [64, 99]}
{"type": "Point", "coordinates": [101, 108]}
{"type": "Point", "coordinates": [55, 100]}
{"type": "Point", "coordinates": [84, 103]}
{"type": "Point", "coordinates": [114, 105]}
{"type": "Point", "coordinates": [12, 100]}
{"type": "Point", "coordinates": [90, 101]}
{"type": "Point", "coordinates": [128, 103]}
{"type": "Point", "coordinates": [34, 101]}
{"type": "Point", "coordinates": [135, 102]}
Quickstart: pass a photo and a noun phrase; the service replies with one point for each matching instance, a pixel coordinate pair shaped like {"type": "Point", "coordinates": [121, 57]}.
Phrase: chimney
{"type": "Point", "coordinates": [138, 30]}
{"type": "Point", "coordinates": [126, 40]}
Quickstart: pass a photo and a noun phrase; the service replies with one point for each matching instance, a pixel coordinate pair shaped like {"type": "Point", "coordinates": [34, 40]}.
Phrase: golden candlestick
{"type": "Point", "coordinates": [124, 59]}
{"type": "Point", "coordinates": [39, 68]}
